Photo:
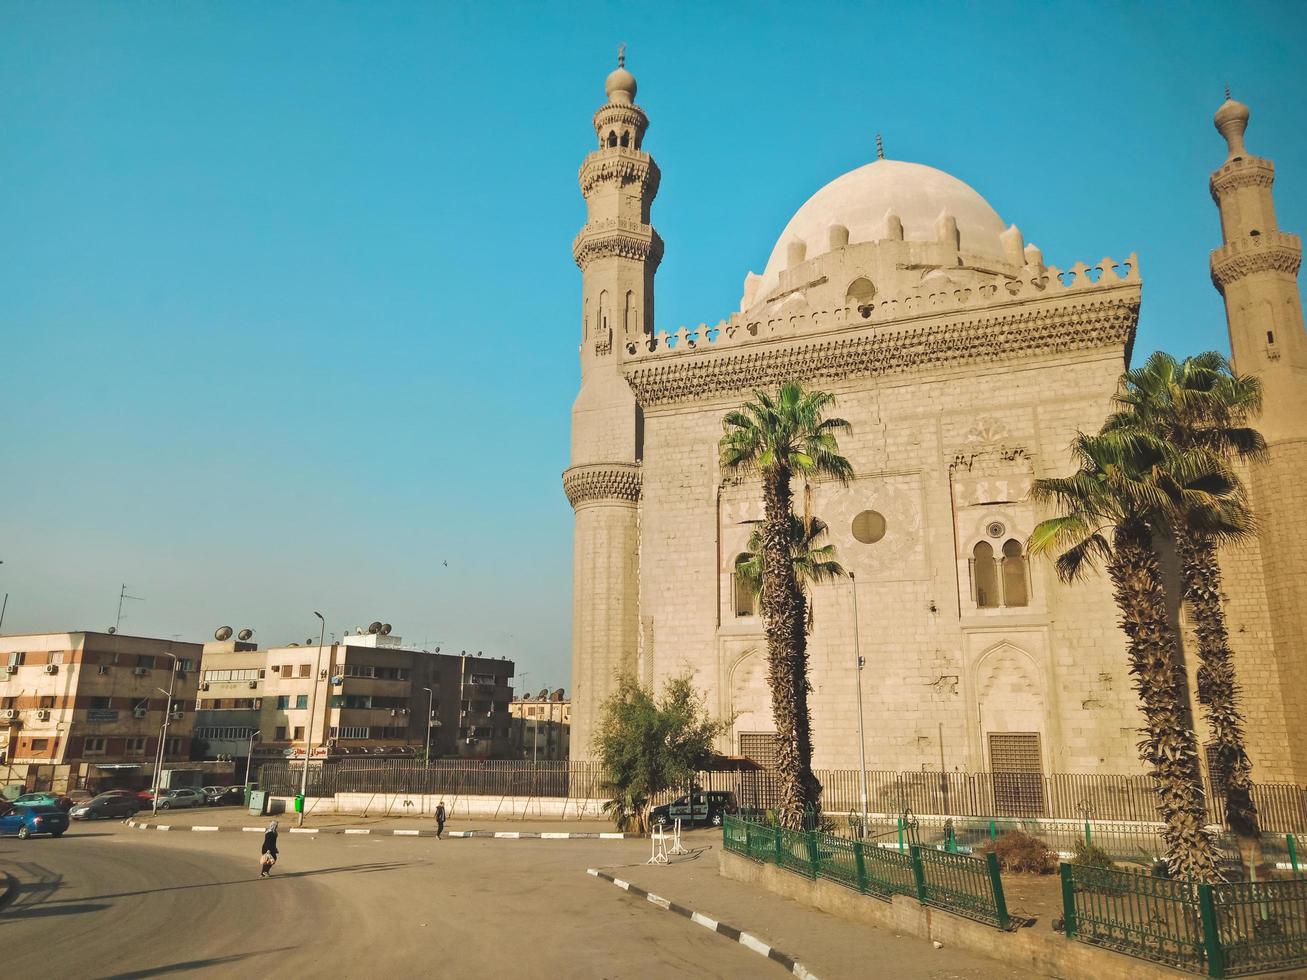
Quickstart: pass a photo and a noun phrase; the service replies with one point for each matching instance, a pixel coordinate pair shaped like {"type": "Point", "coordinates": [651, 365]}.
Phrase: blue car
{"type": "Point", "coordinates": [24, 821]}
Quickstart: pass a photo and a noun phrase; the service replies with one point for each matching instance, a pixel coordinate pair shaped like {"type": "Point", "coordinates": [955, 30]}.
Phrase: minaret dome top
{"type": "Point", "coordinates": [620, 84]}
{"type": "Point", "coordinates": [1231, 120]}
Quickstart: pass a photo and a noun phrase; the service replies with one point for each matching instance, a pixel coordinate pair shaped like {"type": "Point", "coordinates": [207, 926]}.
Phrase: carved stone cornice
{"type": "Point", "coordinates": [620, 113]}
{"type": "Point", "coordinates": [597, 482]}
{"type": "Point", "coordinates": [1272, 251]}
{"type": "Point", "coordinates": [990, 336]}
{"type": "Point", "coordinates": [619, 237]}
{"type": "Point", "coordinates": [1247, 172]}
{"type": "Point", "coordinates": [622, 165]}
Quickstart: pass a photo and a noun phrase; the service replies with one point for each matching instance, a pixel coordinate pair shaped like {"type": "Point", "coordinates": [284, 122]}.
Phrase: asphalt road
{"type": "Point", "coordinates": [106, 901]}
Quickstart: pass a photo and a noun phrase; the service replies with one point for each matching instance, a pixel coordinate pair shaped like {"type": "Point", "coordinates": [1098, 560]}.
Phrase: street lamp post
{"type": "Point", "coordinates": [249, 756]}
{"type": "Point", "coordinates": [163, 734]}
{"type": "Point", "coordinates": [308, 732]}
{"type": "Point", "coordinates": [430, 711]}
{"type": "Point", "coordinates": [857, 674]}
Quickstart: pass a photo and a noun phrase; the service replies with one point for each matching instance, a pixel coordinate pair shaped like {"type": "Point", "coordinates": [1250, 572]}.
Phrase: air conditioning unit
{"type": "Point", "coordinates": [102, 669]}
{"type": "Point", "coordinates": [254, 685]}
{"type": "Point", "coordinates": [394, 712]}
{"type": "Point", "coordinates": [403, 711]}
{"type": "Point", "coordinates": [42, 714]}
{"type": "Point", "coordinates": [176, 716]}
{"type": "Point", "coordinates": [11, 668]}
{"type": "Point", "coordinates": [9, 713]}
{"type": "Point", "coordinates": [276, 668]}
{"type": "Point", "coordinates": [322, 675]}
{"type": "Point", "coordinates": [204, 686]}
{"type": "Point", "coordinates": [139, 712]}
{"type": "Point", "coordinates": [140, 671]}
{"type": "Point", "coordinates": [52, 668]}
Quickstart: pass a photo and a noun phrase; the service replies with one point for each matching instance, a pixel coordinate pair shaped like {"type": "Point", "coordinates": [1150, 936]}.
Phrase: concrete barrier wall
{"type": "Point", "coordinates": [457, 807]}
{"type": "Point", "coordinates": [1035, 948]}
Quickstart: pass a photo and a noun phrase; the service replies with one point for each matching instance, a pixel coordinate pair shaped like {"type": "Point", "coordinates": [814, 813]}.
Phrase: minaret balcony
{"type": "Point", "coordinates": [622, 164]}
{"type": "Point", "coordinates": [1271, 251]}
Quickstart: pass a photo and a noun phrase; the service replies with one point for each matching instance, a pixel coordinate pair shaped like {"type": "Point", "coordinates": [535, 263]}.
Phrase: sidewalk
{"type": "Point", "coordinates": [237, 818]}
{"type": "Point", "coordinates": [830, 947]}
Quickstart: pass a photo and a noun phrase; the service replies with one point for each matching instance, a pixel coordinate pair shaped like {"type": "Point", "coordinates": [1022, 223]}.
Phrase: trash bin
{"type": "Point", "coordinates": [299, 804]}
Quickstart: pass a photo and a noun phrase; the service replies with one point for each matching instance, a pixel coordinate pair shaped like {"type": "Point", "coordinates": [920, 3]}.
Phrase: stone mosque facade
{"type": "Point", "coordinates": [965, 364]}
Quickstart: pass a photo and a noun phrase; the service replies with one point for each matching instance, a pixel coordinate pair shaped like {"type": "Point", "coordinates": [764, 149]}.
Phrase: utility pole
{"type": "Point", "coordinates": [308, 732]}
{"type": "Point", "coordinates": [163, 734]}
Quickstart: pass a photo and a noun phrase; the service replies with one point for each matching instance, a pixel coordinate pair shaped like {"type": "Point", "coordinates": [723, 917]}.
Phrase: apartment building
{"type": "Point", "coordinates": [86, 710]}
{"type": "Point", "coordinates": [365, 695]}
{"type": "Point", "coordinates": [541, 725]}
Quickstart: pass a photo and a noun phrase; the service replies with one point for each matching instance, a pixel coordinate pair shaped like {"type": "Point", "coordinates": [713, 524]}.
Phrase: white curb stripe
{"type": "Point", "coordinates": [554, 836]}
{"type": "Point", "coordinates": [406, 833]}
{"type": "Point", "coordinates": [252, 830]}
{"type": "Point", "coordinates": [624, 885]}
{"type": "Point", "coordinates": [704, 921]}
{"type": "Point", "coordinates": [354, 831]}
{"type": "Point", "coordinates": [660, 901]}
{"type": "Point", "coordinates": [508, 835]}
{"type": "Point", "coordinates": [163, 826]}
{"type": "Point", "coordinates": [803, 973]}
{"type": "Point", "coordinates": [755, 944]}
{"type": "Point", "coordinates": [612, 836]}
{"type": "Point", "coordinates": [592, 871]}
{"type": "Point", "coordinates": [207, 829]}
{"type": "Point", "coordinates": [303, 830]}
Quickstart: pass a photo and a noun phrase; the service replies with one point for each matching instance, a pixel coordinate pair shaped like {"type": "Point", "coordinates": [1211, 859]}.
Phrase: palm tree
{"type": "Point", "coordinates": [1201, 404]}
{"type": "Point", "coordinates": [780, 436]}
{"type": "Point", "coordinates": [1125, 486]}
{"type": "Point", "coordinates": [814, 562]}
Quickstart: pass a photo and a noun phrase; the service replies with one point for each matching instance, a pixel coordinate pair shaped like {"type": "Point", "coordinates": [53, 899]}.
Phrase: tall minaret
{"type": "Point", "coordinates": [618, 252]}
{"type": "Point", "coordinates": [1256, 271]}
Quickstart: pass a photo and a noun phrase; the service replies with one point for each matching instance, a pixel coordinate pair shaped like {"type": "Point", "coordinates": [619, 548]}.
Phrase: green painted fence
{"type": "Point", "coordinates": [1231, 929]}
{"type": "Point", "coordinates": [957, 883]}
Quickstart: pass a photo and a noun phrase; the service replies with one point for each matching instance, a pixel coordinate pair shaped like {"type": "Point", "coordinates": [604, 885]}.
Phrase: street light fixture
{"type": "Point", "coordinates": [163, 735]}
{"type": "Point", "coordinates": [430, 712]}
{"type": "Point", "coordinates": [308, 732]}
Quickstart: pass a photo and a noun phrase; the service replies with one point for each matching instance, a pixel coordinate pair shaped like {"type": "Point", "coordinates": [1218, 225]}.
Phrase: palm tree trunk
{"type": "Point", "coordinates": [1218, 692]}
{"type": "Point", "coordinates": [1168, 747]}
{"type": "Point", "coordinates": [783, 614]}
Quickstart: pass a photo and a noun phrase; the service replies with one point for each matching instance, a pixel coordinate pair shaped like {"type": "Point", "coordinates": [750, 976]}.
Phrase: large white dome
{"type": "Point", "coordinates": [860, 199]}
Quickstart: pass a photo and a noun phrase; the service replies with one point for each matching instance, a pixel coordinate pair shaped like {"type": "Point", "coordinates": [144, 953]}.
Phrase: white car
{"type": "Point", "coordinates": [176, 799]}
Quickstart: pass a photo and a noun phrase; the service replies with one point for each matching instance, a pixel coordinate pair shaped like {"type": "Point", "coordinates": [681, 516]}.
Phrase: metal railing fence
{"type": "Point", "coordinates": [1228, 929]}
{"type": "Point", "coordinates": [956, 883]}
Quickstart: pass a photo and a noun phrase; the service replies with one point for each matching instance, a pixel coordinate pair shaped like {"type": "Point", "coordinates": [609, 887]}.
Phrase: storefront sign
{"type": "Point", "coordinates": [98, 716]}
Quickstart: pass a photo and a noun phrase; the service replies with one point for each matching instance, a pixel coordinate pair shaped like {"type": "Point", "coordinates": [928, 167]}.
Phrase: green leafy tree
{"type": "Point", "coordinates": [1126, 487]}
{"type": "Point", "coordinates": [814, 561]}
{"type": "Point", "coordinates": [779, 437]}
{"type": "Point", "coordinates": [1194, 405]}
{"type": "Point", "coordinates": [650, 745]}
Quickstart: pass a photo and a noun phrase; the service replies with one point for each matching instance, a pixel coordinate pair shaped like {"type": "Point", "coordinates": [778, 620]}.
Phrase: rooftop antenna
{"type": "Point", "coordinates": [1227, 93]}
{"type": "Point", "coordinates": [880, 148]}
{"type": "Point", "coordinates": [122, 594]}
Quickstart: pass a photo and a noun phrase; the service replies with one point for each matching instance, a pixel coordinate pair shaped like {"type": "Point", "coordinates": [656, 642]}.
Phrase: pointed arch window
{"type": "Point", "coordinates": [1016, 591]}
{"type": "Point", "coordinates": [984, 576]}
{"type": "Point", "coordinates": [746, 603]}
{"type": "Point", "coordinates": [612, 138]}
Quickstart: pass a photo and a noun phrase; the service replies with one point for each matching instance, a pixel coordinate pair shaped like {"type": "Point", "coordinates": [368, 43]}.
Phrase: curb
{"type": "Point", "coordinates": [745, 939]}
{"type": "Point", "coordinates": [339, 831]}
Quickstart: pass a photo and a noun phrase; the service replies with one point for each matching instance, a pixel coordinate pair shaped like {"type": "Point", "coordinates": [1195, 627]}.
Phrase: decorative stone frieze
{"type": "Point", "coordinates": [622, 165]}
{"type": "Point", "coordinates": [602, 481]}
{"type": "Point", "coordinates": [1247, 172]}
{"type": "Point", "coordinates": [618, 114]}
{"type": "Point", "coordinates": [624, 239]}
{"type": "Point", "coordinates": [999, 336]}
{"type": "Point", "coordinates": [1272, 251]}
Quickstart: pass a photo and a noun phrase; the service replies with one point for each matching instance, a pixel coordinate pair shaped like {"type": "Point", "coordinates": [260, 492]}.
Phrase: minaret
{"type": "Point", "coordinates": [1256, 271]}
{"type": "Point", "coordinates": [618, 252]}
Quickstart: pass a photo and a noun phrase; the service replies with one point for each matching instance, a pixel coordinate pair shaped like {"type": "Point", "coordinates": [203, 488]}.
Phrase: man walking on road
{"type": "Point", "coordinates": [440, 820]}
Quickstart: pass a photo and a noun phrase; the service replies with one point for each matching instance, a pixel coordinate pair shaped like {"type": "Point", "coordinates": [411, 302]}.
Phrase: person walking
{"type": "Point", "coordinates": [440, 820]}
{"type": "Point", "coordinates": [269, 853]}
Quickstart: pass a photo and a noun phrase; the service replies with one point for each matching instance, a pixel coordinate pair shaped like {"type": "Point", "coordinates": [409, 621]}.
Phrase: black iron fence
{"type": "Point", "coordinates": [1067, 796]}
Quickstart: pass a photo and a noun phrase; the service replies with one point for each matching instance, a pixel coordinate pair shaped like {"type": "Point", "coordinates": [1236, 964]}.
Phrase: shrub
{"type": "Point", "coordinates": [1020, 852]}
{"type": "Point", "coordinates": [1091, 855]}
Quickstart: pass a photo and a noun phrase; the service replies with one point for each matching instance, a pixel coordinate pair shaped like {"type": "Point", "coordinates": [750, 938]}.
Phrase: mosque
{"type": "Point", "coordinates": [965, 364]}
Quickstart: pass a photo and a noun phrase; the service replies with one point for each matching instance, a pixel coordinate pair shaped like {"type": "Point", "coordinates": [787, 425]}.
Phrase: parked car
{"type": "Point", "coordinates": [45, 799]}
{"type": "Point", "coordinates": [224, 795]}
{"type": "Point", "coordinates": [24, 821]}
{"type": "Point", "coordinates": [697, 808]}
{"type": "Point", "coordinates": [80, 795]}
{"type": "Point", "coordinates": [107, 805]}
{"type": "Point", "coordinates": [175, 799]}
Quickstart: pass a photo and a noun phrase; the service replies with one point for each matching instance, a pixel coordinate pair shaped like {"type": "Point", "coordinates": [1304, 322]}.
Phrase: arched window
{"type": "Point", "coordinates": [984, 576]}
{"type": "Point", "coordinates": [612, 138]}
{"type": "Point", "coordinates": [1015, 589]}
{"type": "Point", "coordinates": [631, 323]}
{"type": "Point", "coordinates": [626, 138]}
{"type": "Point", "coordinates": [746, 603]}
{"type": "Point", "coordinates": [860, 292]}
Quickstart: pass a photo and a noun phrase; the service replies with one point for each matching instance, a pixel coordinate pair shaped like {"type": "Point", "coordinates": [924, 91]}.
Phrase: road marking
{"type": "Point", "coordinates": [406, 833]}
{"type": "Point", "coordinates": [214, 829]}
{"type": "Point", "coordinates": [745, 939]}
{"type": "Point", "coordinates": [252, 830]}
{"type": "Point", "coordinates": [352, 830]}
{"type": "Point", "coordinates": [303, 830]}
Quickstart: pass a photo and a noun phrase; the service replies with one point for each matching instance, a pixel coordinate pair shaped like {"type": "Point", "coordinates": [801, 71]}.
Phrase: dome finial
{"type": "Point", "coordinates": [880, 148]}
{"type": "Point", "coordinates": [1227, 93]}
{"type": "Point", "coordinates": [620, 85]}
{"type": "Point", "coordinates": [1231, 121]}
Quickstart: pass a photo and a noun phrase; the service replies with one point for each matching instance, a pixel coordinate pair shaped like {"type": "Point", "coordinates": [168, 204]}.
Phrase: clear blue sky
{"type": "Point", "coordinates": [288, 315]}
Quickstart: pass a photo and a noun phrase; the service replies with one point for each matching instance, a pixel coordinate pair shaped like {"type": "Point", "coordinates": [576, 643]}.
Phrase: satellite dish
{"type": "Point", "coordinates": [385, 629]}
{"type": "Point", "coordinates": [113, 629]}
{"type": "Point", "coordinates": [222, 633]}
{"type": "Point", "coordinates": [374, 627]}
{"type": "Point", "coordinates": [544, 693]}
{"type": "Point", "coordinates": [245, 634]}
{"type": "Point", "coordinates": [294, 644]}
{"type": "Point", "coordinates": [358, 630]}
{"type": "Point", "coordinates": [437, 649]}
{"type": "Point", "coordinates": [308, 642]}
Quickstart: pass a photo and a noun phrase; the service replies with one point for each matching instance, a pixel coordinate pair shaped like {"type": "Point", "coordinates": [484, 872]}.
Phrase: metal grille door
{"type": "Point", "coordinates": [1017, 765]}
{"type": "Point", "coordinates": [759, 789]}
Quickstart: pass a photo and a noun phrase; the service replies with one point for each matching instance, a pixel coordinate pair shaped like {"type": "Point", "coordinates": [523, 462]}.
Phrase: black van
{"type": "Point", "coordinates": [699, 808]}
